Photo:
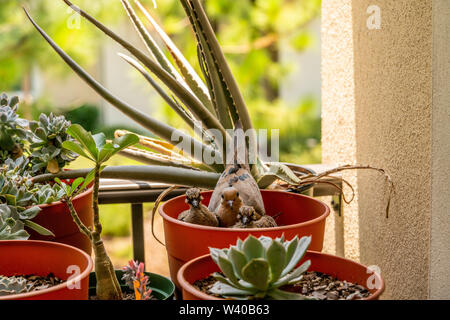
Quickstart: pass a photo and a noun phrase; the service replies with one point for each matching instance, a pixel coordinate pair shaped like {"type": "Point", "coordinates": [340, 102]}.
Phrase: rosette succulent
{"type": "Point", "coordinates": [48, 135]}
{"type": "Point", "coordinates": [257, 267]}
{"type": "Point", "coordinates": [13, 132]}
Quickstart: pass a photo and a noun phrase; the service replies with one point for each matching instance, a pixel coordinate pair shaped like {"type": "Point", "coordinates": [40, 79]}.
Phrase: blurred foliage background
{"type": "Point", "coordinates": [251, 33]}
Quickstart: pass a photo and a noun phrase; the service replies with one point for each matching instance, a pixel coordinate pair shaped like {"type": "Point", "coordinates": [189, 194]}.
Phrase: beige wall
{"type": "Point", "coordinates": [383, 105]}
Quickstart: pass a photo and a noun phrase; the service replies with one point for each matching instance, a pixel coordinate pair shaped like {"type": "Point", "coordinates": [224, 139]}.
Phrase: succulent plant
{"type": "Point", "coordinates": [136, 280]}
{"type": "Point", "coordinates": [13, 285]}
{"type": "Point", "coordinates": [48, 135]}
{"type": "Point", "coordinates": [96, 149]}
{"type": "Point", "coordinates": [11, 228]}
{"type": "Point", "coordinates": [13, 132]}
{"type": "Point", "coordinates": [21, 197]}
{"type": "Point", "coordinates": [257, 267]}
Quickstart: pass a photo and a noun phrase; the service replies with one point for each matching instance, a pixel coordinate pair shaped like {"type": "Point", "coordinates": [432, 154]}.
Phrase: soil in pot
{"type": "Point", "coordinates": [30, 283]}
{"type": "Point", "coordinates": [314, 285]}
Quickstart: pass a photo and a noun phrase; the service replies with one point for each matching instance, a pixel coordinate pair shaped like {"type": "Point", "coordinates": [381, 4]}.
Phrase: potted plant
{"type": "Point", "coordinates": [212, 107]}
{"type": "Point", "coordinates": [27, 149]}
{"type": "Point", "coordinates": [301, 215]}
{"type": "Point", "coordinates": [42, 270]}
{"type": "Point", "coordinates": [96, 149]}
{"type": "Point", "coordinates": [267, 268]}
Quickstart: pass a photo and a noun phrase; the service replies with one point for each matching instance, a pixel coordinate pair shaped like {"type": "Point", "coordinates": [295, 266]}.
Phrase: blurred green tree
{"type": "Point", "coordinates": [22, 49]}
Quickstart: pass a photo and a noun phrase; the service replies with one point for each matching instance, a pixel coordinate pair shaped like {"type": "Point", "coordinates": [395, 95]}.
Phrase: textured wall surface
{"type": "Point", "coordinates": [440, 219]}
{"type": "Point", "coordinates": [338, 117]}
{"type": "Point", "coordinates": [377, 109]}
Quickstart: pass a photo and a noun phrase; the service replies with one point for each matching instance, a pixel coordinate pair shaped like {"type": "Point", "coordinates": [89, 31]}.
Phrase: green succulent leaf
{"type": "Point", "coordinates": [75, 147]}
{"type": "Point", "coordinates": [298, 254]}
{"type": "Point", "coordinates": [224, 289]}
{"type": "Point", "coordinates": [256, 272]}
{"type": "Point", "coordinates": [227, 268]}
{"type": "Point", "coordinates": [253, 248]}
{"type": "Point", "coordinates": [39, 229]}
{"type": "Point", "coordinates": [238, 260]}
{"type": "Point", "coordinates": [278, 294]}
{"type": "Point", "coordinates": [294, 275]}
{"type": "Point", "coordinates": [276, 256]}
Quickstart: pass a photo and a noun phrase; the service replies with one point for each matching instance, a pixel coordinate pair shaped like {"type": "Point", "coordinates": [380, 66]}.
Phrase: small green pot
{"type": "Point", "coordinates": [162, 287]}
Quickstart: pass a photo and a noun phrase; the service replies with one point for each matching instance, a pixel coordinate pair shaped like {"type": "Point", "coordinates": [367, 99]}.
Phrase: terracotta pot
{"type": "Point", "coordinates": [340, 268]}
{"type": "Point", "coordinates": [40, 258]}
{"type": "Point", "coordinates": [56, 218]}
{"type": "Point", "coordinates": [302, 216]}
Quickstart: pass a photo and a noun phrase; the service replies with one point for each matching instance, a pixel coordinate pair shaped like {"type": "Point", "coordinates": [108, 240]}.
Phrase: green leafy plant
{"type": "Point", "coordinates": [18, 199]}
{"type": "Point", "coordinates": [98, 150]}
{"type": "Point", "coordinates": [212, 103]}
{"type": "Point", "coordinates": [258, 267]}
{"type": "Point", "coordinates": [39, 142]}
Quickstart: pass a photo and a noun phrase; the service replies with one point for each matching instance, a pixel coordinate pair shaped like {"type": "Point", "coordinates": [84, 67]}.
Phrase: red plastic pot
{"type": "Point", "coordinates": [56, 218]}
{"type": "Point", "coordinates": [340, 268]}
{"type": "Point", "coordinates": [302, 216]}
{"type": "Point", "coordinates": [25, 257]}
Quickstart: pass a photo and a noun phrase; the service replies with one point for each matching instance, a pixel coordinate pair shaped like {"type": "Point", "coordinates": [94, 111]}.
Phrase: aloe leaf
{"type": "Point", "coordinates": [190, 76]}
{"type": "Point", "coordinates": [157, 127]}
{"type": "Point", "coordinates": [277, 171]}
{"type": "Point", "coordinates": [39, 229]}
{"type": "Point", "coordinates": [188, 99]}
{"type": "Point", "coordinates": [150, 43]}
{"type": "Point", "coordinates": [216, 51]}
{"type": "Point", "coordinates": [152, 158]}
{"type": "Point", "coordinates": [180, 111]}
{"type": "Point", "coordinates": [163, 174]}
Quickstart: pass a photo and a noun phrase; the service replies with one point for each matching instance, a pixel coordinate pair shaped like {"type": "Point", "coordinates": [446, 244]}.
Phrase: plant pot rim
{"type": "Point", "coordinates": [280, 228]}
{"type": "Point", "coordinates": [81, 195]}
{"type": "Point", "coordinates": [39, 243]}
{"type": "Point", "coordinates": [192, 290]}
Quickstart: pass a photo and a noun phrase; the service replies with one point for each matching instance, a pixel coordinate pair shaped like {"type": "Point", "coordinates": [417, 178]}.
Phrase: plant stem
{"type": "Point", "coordinates": [77, 219]}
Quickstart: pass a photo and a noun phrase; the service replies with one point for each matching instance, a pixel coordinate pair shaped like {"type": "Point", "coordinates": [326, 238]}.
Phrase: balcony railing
{"type": "Point", "coordinates": [136, 193]}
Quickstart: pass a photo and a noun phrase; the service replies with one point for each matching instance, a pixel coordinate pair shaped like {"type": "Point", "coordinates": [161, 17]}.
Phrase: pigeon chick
{"type": "Point", "coordinates": [198, 213]}
{"type": "Point", "coordinates": [229, 207]}
{"type": "Point", "coordinates": [249, 218]}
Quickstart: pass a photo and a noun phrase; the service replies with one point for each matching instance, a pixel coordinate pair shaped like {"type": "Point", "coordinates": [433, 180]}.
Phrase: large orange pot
{"type": "Point", "coordinates": [25, 257]}
{"type": "Point", "coordinates": [340, 268]}
{"type": "Point", "coordinates": [56, 218]}
{"type": "Point", "coordinates": [301, 216]}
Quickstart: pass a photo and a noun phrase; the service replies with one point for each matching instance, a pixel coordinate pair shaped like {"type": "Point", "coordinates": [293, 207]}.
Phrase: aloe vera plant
{"type": "Point", "coordinates": [258, 267]}
{"type": "Point", "coordinates": [96, 149]}
{"type": "Point", "coordinates": [209, 102]}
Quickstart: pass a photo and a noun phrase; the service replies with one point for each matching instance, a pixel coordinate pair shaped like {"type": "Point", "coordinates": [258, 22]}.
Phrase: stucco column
{"type": "Point", "coordinates": [386, 102]}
